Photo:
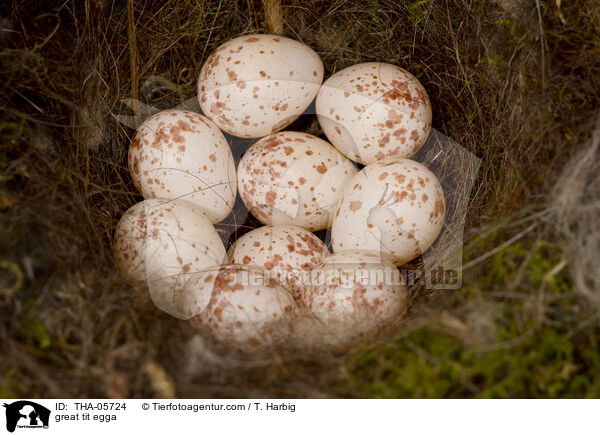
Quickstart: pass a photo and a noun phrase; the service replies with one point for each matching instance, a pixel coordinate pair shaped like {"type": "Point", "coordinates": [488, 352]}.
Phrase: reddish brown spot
{"type": "Point", "coordinates": [399, 177]}
{"type": "Point", "coordinates": [254, 342]}
{"type": "Point", "coordinates": [400, 132]}
{"type": "Point", "coordinates": [321, 169]}
{"type": "Point", "coordinates": [212, 158]}
{"type": "Point", "coordinates": [288, 150]}
{"type": "Point", "coordinates": [384, 140]}
{"type": "Point", "coordinates": [232, 75]}
{"type": "Point", "coordinates": [355, 205]}
{"type": "Point", "coordinates": [252, 39]}
{"type": "Point", "coordinates": [218, 312]}
{"type": "Point", "coordinates": [136, 165]}
{"type": "Point", "coordinates": [270, 197]}
{"type": "Point", "coordinates": [246, 260]}
{"type": "Point", "coordinates": [136, 143]}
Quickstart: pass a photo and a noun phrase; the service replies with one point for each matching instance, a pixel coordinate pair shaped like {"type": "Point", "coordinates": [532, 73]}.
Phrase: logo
{"type": "Point", "coordinates": [26, 414]}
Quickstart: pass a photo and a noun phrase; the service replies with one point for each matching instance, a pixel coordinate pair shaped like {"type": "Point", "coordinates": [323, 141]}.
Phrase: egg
{"type": "Point", "coordinates": [374, 110]}
{"type": "Point", "coordinates": [182, 154]}
{"type": "Point", "coordinates": [288, 252]}
{"type": "Point", "coordinates": [174, 248]}
{"type": "Point", "coordinates": [254, 85]}
{"type": "Point", "coordinates": [395, 206]}
{"type": "Point", "coordinates": [248, 310]}
{"type": "Point", "coordinates": [293, 178]}
{"type": "Point", "coordinates": [352, 295]}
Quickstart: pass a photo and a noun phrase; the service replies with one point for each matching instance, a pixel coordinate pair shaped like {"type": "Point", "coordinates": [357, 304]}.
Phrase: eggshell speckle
{"type": "Point", "coordinates": [247, 309]}
{"type": "Point", "coordinates": [353, 294]}
{"type": "Point", "coordinates": [372, 111]}
{"type": "Point", "coordinates": [396, 207]}
{"type": "Point", "coordinates": [288, 252]}
{"type": "Point", "coordinates": [182, 154]}
{"type": "Point", "coordinates": [254, 85]}
{"type": "Point", "coordinates": [170, 245]}
{"type": "Point", "coordinates": [293, 178]}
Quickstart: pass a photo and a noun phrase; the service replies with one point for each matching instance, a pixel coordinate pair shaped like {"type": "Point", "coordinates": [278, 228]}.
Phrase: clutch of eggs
{"type": "Point", "coordinates": [372, 111]}
{"type": "Point", "coordinates": [254, 85]}
{"type": "Point", "coordinates": [382, 216]}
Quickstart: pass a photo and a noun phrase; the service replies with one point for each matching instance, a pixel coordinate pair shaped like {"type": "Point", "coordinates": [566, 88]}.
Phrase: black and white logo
{"type": "Point", "coordinates": [25, 414]}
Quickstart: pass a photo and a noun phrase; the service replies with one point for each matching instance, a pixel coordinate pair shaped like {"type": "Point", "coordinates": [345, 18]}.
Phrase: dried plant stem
{"type": "Point", "coordinates": [542, 43]}
{"type": "Point", "coordinates": [273, 15]}
{"type": "Point", "coordinates": [132, 57]}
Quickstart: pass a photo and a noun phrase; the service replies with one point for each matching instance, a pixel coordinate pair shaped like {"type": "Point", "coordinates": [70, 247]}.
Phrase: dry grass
{"type": "Point", "coordinates": [515, 82]}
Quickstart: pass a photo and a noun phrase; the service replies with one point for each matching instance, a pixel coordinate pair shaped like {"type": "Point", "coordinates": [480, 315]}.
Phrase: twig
{"type": "Point", "coordinates": [542, 43]}
{"type": "Point", "coordinates": [500, 247]}
{"type": "Point", "coordinates": [132, 55]}
{"type": "Point", "coordinates": [273, 16]}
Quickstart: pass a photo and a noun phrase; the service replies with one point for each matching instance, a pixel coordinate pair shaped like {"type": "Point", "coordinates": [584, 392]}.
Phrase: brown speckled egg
{"type": "Point", "coordinates": [352, 295]}
{"type": "Point", "coordinates": [170, 244]}
{"type": "Point", "coordinates": [254, 85]}
{"type": "Point", "coordinates": [372, 111]}
{"type": "Point", "coordinates": [248, 310]}
{"type": "Point", "coordinates": [288, 252]}
{"type": "Point", "coordinates": [395, 206]}
{"type": "Point", "coordinates": [293, 178]}
{"type": "Point", "coordinates": [182, 154]}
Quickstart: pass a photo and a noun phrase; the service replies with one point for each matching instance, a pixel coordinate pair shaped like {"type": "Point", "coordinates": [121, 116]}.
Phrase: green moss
{"type": "Point", "coordinates": [511, 26]}
{"type": "Point", "coordinates": [494, 62]}
{"type": "Point", "coordinates": [417, 11]}
{"type": "Point", "coordinates": [32, 328]}
{"type": "Point", "coordinates": [7, 390]}
{"type": "Point", "coordinates": [535, 351]}
{"type": "Point", "coordinates": [548, 364]}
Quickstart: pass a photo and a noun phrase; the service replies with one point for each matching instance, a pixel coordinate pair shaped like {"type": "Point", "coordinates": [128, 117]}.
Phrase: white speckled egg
{"type": "Point", "coordinates": [288, 252]}
{"type": "Point", "coordinates": [254, 85]}
{"type": "Point", "coordinates": [174, 248]}
{"type": "Point", "coordinates": [182, 154]}
{"type": "Point", "coordinates": [248, 310]}
{"type": "Point", "coordinates": [293, 178]}
{"type": "Point", "coordinates": [374, 110]}
{"type": "Point", "coordinates": [353, 294]}
{"type": "Point", "coordinates": [395, 206]}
